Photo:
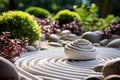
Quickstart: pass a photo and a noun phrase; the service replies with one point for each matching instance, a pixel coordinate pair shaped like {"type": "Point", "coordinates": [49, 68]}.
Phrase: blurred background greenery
{"type": "Point", "coordinates": [105, 6]}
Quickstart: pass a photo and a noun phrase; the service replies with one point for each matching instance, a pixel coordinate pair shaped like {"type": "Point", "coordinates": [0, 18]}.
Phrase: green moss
{"type": "Point", "coordinates": [38, 12]}
{"type": "Point", "coordinates": [66, 16]}
{"type": "Point", "coordinates": [20, 24]}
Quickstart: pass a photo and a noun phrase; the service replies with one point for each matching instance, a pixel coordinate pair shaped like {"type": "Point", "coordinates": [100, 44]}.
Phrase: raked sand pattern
{"type": "Point", "coordinates": [53, 65]}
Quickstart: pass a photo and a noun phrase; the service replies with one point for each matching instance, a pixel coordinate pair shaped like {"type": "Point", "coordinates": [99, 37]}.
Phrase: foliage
{"type": "Point", "coordinates": [4, 5]}
{"type": "Point", "coordinates": [20, 24]}
{"type": "Point", "coordinates": [66, 16]}
{"type": "Point", "coordinates": [88, 17]}
{"type": "Point", "coordinates": [73, 26]}
{"type": "Point", "coordinates": [114, 28]}
{"type": "Point", "coordinates": [109, 20]}
{"type": "Point", "coordinates": [38, 12]}
{"type": "Point", "coordinates": [51, 5]}
{"type": "Point", "coordinates": [54, 28]}
{"type": "Point", "coordinates": [9, 48]}
{"type": "Point", "coordinates": [43, 21]}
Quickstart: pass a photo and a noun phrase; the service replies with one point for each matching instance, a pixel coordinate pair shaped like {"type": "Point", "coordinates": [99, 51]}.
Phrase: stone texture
{"type": "Point", "coordinates": [94, 77]}
{"type": "Point", "coordinates": [44, 48]}
{"type": "Point", "coordinates": [96, 44]}
{"type": "Point", "coordinates": [7, 70]}
{"type": "Point", "coordinates": [98, 68]}
{"type": "Point", "coordinates": [60, 41]}
{"type": "Point", "coordinates": [69, 37]}
{"type": "Point", "coordinates": [55, 44]}
{"type": "Point", "coordinates": [114, 43]}
{"type": "Point", "coordinates": [115, 37]}
{"type": "Point", "coordinates": [43, 37]}
{"type": "Point", "coordinates": [53, 38]}
{"type": "Point", "coordinates": [80, 49]}
{"type": "Point", "coordinates": [37, 45]}
{"type": "Point", "coordinates": [99, 34]}
{"type": "Point", "coordinates": [92, 37]}
{"type": "Point", "coordinates": [64, 32]}
{"type": "Point", "coordinates": [104, 42]}
{"type": "Point", "coordinates": [111, 67]}
{"type": "Point", "coordinates": [65, 42]}
{"type": "Point", "coordinates": [30, 48]}
{"type": "Point", "coordinates": [113, 77]}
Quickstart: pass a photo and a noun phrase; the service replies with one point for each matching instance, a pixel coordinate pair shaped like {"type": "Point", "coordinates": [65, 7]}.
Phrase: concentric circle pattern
{"type": "Point", "coordinates": [53, 65]}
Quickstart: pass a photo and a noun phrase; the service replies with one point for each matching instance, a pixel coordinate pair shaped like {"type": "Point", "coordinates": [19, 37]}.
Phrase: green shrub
{"type": "Point", "coordinates": [66, 16]}
{"type": "Point", "coordinates": [20, 24]}
{"type": "Point", "coordinates": [88, 17]}
{"type": "Point", "coordinates": [38, 12]}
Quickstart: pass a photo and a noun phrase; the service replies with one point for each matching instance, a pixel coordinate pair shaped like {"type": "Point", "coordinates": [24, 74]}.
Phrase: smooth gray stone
{"type": "Point", "coordinates": [65, 42]}
{"type": "Point", "coordinates": [96, 44]}
{"type": "Point", "coordinates": [92, 37]}
{"type": "Point", "coordinates": [60, 41]}
{"type": "Point", "coordinates": [104, 42]}
{"type": "Point", "coordinates": [30, 48]}
{"type": "Point", "coordinates": [54, 38]}
{"type": "Point", "coordinates": [64, 32]}
{"type": "Point", "coordinates": [99, 33]}
{"type": "Point", "coordinates": [69, 37]}
{"type": "Point", "coordinates": [114, 43]}
{"type": "Point", "coordinates": [7, 70]}
{"type": "Point", "coordinates": [37, 45]}
{"type": "Point", "coordinates": [43, 37]}
{"type": "Point", "coordinates": [115, 37]}
{"type": "Point", "coordinates": [55, 44]}
{"type": "Point", "coordinates": [44, 48]}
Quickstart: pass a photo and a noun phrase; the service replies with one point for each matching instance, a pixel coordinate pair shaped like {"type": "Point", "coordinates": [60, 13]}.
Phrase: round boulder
{"type": "Point", "coordinates": [53, 38]}
{"type": "Point", "coordinates": [7, 70]}
{"type": "Point", "coordinates": [115, 37]}
{"type": "Point", "coordinates": [92, 37]}
{"type": "Point", "coordinates": [99, 33]}
{"type": "Point", "coordinates": [69, 37]}
{"type": "Point", "coordinates": [113, 77]}
{"type": "Point", "coordinates": [111, 68]}
{"type": "Point", "coordinates": [64, 32]}
{"type": "Point", "coordinates": [104, 42]}
{"type": "Point", "coordinates": [114, 43]}
{"type": "Point", "coordinates": [94, 77]}
{"type": "Point", "coordinates": [30, 48]}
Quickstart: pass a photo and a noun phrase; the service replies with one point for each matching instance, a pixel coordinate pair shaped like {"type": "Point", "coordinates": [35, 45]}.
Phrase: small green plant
{"type": "Point", "coordinates": [38, 12]}
{"type": "Point", "coordinates": [88, 17]}
{"type": "Point", "coordinates": [20, 24]}
{"type": "Point", "coordinates": [109, 20]}
{"type": "Point", "coordinates": [66, 16]}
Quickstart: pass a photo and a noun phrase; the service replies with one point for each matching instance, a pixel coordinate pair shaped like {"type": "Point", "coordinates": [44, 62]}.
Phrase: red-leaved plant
{"type": "Point", "coordinates": [10, 48]}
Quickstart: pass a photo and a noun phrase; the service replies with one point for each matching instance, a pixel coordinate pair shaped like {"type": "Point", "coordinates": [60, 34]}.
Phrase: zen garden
{"type": "Point", "coordinates": [59, 40]}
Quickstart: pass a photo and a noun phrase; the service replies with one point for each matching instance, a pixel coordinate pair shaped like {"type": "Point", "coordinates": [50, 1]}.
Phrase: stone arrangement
{"type": "Point", "coordinates": [65, 37]}
{"type": "Point", "coordinates": [80, 49]}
